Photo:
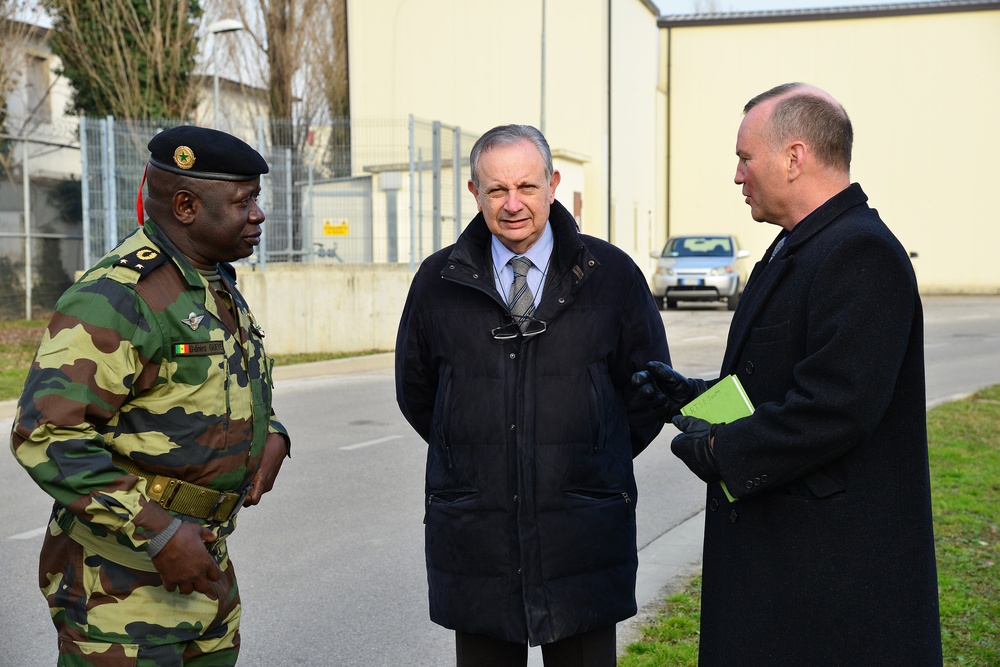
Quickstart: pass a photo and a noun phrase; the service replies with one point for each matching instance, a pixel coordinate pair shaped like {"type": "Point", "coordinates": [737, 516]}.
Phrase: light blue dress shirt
{"type": "Point", "coordinates": [539, 254]}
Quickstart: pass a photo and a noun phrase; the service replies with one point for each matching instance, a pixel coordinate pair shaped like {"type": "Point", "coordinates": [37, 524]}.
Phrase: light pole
{"type": "Point", "coordinates": [222, 25]}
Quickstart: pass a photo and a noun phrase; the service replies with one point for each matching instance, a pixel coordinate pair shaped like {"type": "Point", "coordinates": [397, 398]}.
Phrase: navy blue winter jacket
{"type": "Point", "coordinates": [530, 495]}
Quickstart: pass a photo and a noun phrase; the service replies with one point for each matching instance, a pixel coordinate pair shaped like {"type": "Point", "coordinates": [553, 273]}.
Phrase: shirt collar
{"type": "Point", "coordinates": [538, 253]}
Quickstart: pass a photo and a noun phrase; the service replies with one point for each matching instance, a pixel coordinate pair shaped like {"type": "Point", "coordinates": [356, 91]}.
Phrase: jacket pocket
{"type": "Point", "coordinates": [598, 404]}
{"type": "Point", "coordinates": [461, 538]}
{"type": "Point", "coordinates": [817, 485]}
{"type": "Point", "coordinates": [771, 333]}
{"type": "Point", "coordinates": [594, 530]}
{"type": "Point", "coordinates": [440, 420]}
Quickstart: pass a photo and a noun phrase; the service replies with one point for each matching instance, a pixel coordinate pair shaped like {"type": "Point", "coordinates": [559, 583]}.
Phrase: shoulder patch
{"type": "Point", "coordinates": [143, 260]}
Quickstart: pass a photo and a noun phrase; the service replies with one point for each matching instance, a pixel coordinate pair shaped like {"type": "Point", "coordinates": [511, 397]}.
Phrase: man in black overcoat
{"type": "Point", "coordinates": [826, 555]}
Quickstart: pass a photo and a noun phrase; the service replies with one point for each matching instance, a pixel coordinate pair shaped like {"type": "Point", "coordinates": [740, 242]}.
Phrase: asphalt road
{"type": "Point", "coordinates": [331, 563]}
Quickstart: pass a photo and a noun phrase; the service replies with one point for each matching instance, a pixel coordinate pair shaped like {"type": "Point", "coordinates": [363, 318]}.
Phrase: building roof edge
{"type": "Point", "coordinates": [826, 13]}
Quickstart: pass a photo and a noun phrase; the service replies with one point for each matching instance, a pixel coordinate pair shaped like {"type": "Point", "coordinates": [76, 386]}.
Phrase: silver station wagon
{"type": "Point", "coordinates": [700, 268]}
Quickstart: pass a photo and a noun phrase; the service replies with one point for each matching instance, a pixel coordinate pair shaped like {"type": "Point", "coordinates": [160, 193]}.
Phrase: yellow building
{"type": "Point", "coordinates": [921, 82]}
{"type": "Point", "coordinates": [642, 111]}
{"type": "Point", "coordinates": [585, 72]}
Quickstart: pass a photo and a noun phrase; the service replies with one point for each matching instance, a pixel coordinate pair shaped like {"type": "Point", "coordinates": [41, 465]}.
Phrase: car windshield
{"type": "Point", "coordinates": [699, 246]}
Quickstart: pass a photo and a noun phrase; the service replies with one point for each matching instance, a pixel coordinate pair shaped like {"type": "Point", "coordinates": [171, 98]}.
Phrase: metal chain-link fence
{"type": "Point", "coordinates": [364, 191]}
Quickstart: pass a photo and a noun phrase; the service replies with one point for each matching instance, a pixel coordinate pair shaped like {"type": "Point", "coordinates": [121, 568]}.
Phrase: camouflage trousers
{"type": "Point", "coordinates": [110, 615]}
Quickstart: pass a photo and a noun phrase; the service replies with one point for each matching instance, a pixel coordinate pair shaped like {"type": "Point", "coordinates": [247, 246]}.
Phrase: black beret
{"type": "Point", "coordinates": [201, 152]}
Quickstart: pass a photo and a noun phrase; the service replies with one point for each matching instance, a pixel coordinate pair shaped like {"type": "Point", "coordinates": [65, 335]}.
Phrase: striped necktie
{"type": "Point", "coordinates": [777, 247]}
{"type": "Point", "coordinates": [522, 301]}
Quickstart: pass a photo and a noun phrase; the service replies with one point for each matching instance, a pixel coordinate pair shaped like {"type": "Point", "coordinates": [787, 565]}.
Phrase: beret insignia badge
{"type": "Point", "coordinates": [184, 157]}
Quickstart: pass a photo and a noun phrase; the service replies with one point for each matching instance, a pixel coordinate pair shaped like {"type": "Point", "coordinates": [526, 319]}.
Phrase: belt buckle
{"type": "Point", "coordinates": [241, 498]}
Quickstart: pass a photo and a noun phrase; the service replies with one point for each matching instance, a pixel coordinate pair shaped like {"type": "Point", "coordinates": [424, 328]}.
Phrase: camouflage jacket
{"type": "Point", "coordinates": [144, 359]}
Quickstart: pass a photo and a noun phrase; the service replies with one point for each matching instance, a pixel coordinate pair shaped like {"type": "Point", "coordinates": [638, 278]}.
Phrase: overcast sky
{"type": "Point", "coordinates": [691, 6]}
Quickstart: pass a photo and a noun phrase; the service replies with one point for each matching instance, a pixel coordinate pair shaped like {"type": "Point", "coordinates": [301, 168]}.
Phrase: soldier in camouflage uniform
{"type": "Point", "coordinates": [147, 416]}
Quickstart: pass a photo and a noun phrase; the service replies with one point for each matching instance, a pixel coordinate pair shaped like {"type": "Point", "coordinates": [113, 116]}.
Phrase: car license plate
{"type": "Point", "coordinates": [690, 281]}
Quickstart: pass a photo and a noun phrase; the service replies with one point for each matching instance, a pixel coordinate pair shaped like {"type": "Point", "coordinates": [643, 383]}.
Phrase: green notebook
{"type": "Point", "coordinates": [725, 402]}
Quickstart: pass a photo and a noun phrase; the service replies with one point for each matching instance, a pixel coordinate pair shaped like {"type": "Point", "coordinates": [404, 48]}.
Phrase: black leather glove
{"type": "Point", "coordinates": [666, 390]}
{"type": "Point", "coordinates": [693, 447]}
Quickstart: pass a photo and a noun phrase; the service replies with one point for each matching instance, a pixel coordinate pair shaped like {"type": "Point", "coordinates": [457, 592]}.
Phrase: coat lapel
{"type": "Point", "coordinates": [767, 275]}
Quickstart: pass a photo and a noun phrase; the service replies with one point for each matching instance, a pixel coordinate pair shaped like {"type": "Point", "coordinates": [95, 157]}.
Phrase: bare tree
{"type": "Point", "coordinates": [304, 63]}
{"type": "Point", "coordinates": [330, 56]}
{"type": "Point", "coordinates": [131, 59]}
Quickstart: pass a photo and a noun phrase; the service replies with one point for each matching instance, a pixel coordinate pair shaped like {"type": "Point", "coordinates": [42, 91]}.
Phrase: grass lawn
{"type": "Point", "coordinates": [964, 441]}
{"type": "Point", "coordinates": [18, 341]}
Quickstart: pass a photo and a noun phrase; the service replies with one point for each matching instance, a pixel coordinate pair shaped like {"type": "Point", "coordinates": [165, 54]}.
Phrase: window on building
{"type": "Point", "coordinates": [37, 84]}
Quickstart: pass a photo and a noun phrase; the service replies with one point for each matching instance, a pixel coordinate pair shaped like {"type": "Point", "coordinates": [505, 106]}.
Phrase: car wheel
{"type": "Point", "coordinates": [670, 303]}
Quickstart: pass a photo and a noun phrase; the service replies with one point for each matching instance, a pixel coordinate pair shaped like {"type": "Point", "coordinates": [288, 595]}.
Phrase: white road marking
{"type": "Point", "coordinates": [30, 534]}
{"type": "Point", "coordinates": [368, 443]}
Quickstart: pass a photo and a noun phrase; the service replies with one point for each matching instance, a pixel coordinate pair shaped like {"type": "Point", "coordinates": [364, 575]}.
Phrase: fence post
{"type": "Point", "coordinates": [436, 183]}
{"type": "Point", "coordinates": [289, 203]}
{"type": "Point", "coordinates": [85, 191]}
{"type": "Point", "coordinates": [27, 226]}
{"type": "Point", "coordinates": [456, 168]}
{"type": "Point", "coordinates": [103, 170]}
{"type": "Point", "coordinates": [309, 221]}
{"type": "Point", "coordinates": [420, 204]}
{"type": "Point", "coordinates": [111, 230]}
{"type": "Point", "coordinates": [262, 248]}
{"type": "Point", "coordinates": [413, 213]}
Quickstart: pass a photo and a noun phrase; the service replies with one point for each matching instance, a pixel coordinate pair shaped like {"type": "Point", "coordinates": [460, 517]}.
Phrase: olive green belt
{"type": "Point", "coordinates": [184, 497]}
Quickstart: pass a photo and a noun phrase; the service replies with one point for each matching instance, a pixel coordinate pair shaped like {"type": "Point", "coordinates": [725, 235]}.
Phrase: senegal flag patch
{"type": "Point", "coordinates": [199, 349]}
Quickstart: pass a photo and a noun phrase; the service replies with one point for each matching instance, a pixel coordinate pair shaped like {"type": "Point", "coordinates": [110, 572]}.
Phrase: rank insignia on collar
{"type": "Point", "coordinates": [193, 321]}
{"type": "Point", "coordinates": [257, 329]}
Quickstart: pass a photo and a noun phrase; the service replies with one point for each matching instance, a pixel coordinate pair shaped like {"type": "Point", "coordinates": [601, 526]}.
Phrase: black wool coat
{"type": "Point", "coordinates": [827, 556]}
{"type": "Point", "coordinates": [530, 495]}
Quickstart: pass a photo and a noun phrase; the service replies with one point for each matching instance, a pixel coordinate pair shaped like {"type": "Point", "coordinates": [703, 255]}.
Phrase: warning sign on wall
{"type": "Point", "coordinates": [339, 228]}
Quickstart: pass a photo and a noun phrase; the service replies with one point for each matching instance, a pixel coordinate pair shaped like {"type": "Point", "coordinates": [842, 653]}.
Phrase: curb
{"type": "Point", "coordinates": [361, 364]}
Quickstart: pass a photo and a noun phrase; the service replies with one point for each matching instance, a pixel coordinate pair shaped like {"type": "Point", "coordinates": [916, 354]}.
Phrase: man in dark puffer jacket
{"type": "Point", "coordinates": [518, 379]}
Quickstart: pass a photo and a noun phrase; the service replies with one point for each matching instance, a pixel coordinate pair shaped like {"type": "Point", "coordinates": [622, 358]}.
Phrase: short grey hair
{"type": "Point", "coordinates": [508, 135]}
{"type": "Point", "coordinates": [803, 114]}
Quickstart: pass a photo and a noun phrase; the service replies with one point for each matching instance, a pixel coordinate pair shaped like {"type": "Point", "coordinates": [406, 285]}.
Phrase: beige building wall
{"type": "Point", "coordinates": [634, 124]}
{"type": "Point", "coordinates": [922, 92]}
{"type": "Point", "coordinates": [477, 64]}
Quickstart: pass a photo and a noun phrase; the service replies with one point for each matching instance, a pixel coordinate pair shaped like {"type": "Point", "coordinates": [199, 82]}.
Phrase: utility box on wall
{"type": "Point", "coordinates": [341, 220]}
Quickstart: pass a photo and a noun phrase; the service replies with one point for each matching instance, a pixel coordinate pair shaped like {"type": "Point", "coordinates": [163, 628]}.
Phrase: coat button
{"type": "Point", "coordinates": [749, 368]}
{"type": "Point", "coordinates": [562, 300]}
{"type": "Point", "coordinates": [512, 427]}
{"type": "Point", "coordinates": [733, 516]}
{"type": "Point", "coordinates": [749, 483]}
{"type": "Point", "coordinates": [513, 356]}
{"type": "Point", "coordinates": [713, 504]}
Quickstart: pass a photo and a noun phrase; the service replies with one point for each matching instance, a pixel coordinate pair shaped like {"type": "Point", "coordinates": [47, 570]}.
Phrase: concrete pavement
{"type": "Point", "coordinates": [665, 565]}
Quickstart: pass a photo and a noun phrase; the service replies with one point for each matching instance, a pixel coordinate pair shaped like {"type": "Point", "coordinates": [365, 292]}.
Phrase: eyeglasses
{"type": "Point", "coordinates": [510, 329]}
